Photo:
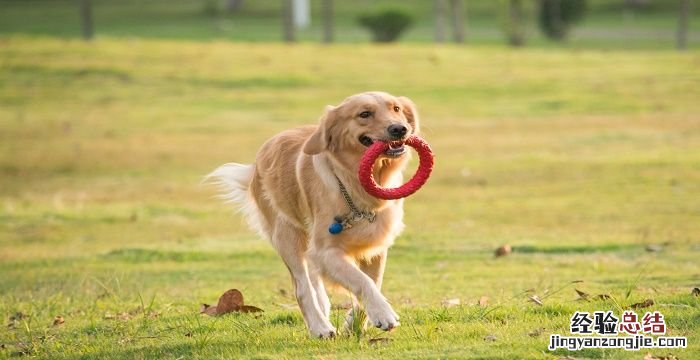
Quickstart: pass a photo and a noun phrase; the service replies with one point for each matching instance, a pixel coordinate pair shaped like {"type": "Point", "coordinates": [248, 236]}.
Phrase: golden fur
{"type": "Point", "coordinates": [291, 195]}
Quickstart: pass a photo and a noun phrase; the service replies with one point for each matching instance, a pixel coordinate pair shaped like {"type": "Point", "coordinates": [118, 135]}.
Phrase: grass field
{"type": "Point", "coordinates": [578, 159]}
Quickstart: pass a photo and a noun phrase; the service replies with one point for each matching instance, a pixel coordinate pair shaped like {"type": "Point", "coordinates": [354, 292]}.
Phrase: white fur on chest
{"type": "Point", "coordinates": [368, 239]}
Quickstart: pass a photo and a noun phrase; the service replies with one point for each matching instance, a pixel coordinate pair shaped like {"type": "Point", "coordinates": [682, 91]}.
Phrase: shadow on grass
{"type": "Point", "coordinates": [584, 249]}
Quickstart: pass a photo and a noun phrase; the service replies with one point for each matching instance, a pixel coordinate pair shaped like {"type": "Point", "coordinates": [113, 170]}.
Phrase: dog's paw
{"type": "Point", "coordinates": [383, 316]}
{"type": "Point", "coordinates": [325, 331]}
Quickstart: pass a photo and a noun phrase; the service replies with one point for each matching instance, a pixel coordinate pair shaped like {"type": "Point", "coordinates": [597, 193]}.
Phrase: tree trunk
{"type": "Point", "coordinates": [233, 5]}
{"type": "Point", "coordinates": [557, 22]}
{"type": "Point", "coordinates": [86, 19]}
{"type": "Point", "coordinates": [457, 21]}
{"type": "Point", "coordinates": [439, 21]}
{"type": "Point", "coordinates": [327, 21]}
{"type": "Point", "coordinates": [682, 33]}
{"type": "Point", "coordinates": [288, 21]}
{"type": "Point", "coordinates": [516, 35]}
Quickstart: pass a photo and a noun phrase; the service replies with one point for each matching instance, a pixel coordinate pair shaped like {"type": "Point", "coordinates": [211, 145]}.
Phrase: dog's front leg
{"type": "Point", "coordinates": [374, 268]}
{"type": "Point", "coordinates": [337, 265]}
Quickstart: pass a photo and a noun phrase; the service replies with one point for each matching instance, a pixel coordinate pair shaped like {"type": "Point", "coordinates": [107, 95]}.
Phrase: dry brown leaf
{"type": "Point", "coordinates": [582, 295]}
{"type": "Point", "coordinates": [644, 304]}
{"type": "Point", "coordinates": [207, 309]}
{"type": "Point", "coordinates": [250, 309]}
{"type": "Point", "coordinates": [58, 320]}
{"type": "Point", "coordinates": [377, 341]}
{"type": "Point", "coordinates": [483, 301]}
{"type": "Point", "coordinates": [536, 332]}
{"type": "Point", "coordinates": [503, 250]}
{"type": "Point", "coordinates": [577, 281]}
{"type": "Point", "coordinates": [451, 302]}
{"type": "Point", "coordinates": [653, 248]}
{"type": "Point", "coordinates": [490, 337]}
{"type": "Point", "coordinates": [230, 301]}
{"type": "Point", "coordinates": [696, 292]}
{"type": "Point", "coordinates": [535, 299]}
{"type": "Point", "coordinates": [602, 297]}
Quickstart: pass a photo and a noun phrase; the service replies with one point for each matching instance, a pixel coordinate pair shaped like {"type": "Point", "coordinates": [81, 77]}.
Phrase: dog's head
{"type": "Point", "coordinates": [362, 119]}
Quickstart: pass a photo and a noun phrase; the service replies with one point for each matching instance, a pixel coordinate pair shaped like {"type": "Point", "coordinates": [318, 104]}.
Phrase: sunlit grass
{"type": "Point", "coordinates": [578, 159]}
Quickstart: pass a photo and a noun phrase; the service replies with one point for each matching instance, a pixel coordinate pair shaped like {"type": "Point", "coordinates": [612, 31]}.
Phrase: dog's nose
{"type": "Point", "coordinates": [396, 131]}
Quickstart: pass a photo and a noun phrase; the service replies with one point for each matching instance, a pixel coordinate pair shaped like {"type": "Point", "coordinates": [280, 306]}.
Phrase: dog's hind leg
{"type": "Point", "coordinates": [324, 303]}
{"type": "Point", "coordinates": [290, 243]}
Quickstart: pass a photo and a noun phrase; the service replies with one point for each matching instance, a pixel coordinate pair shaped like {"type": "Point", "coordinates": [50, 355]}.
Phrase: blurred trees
{"type": "Point", "coordinates": [233, 5]}
{"type": "Point", "coordinates": [457, 11]}
{"type": "Point", "coordinates": [327, 15]}
{"type": "Point", "coordinates": [556, 16]}
{"type": "Point", "coordinates": [682, 32]}
{"type": "Point", "coordinates": [386, 25]}
{"type": "Point", "coordinates": [86, 19]}
{"type": "Point", "coordinates": [516, 23]}
{"type": "Point", "coordinates": [288, 21]}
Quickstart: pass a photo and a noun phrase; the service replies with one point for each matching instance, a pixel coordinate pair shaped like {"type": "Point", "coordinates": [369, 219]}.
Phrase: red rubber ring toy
{"type": "Point", "coordinates": [425, 167]}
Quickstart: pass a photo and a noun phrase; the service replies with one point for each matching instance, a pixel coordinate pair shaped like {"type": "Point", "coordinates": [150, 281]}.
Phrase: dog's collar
{"type": "Point", "coordinates": [341, 223]}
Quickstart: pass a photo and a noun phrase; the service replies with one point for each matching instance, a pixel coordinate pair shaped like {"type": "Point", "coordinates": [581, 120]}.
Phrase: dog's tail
{"type": "Point", "coordinates": [234, 181]}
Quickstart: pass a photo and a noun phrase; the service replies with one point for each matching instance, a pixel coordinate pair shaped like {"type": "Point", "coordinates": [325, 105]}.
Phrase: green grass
{"type": "Point", "coordinates": [607, 24]}
{"type": "Point", "coordinates": [578, 159]}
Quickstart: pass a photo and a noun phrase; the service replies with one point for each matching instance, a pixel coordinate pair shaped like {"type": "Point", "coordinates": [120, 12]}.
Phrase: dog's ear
{"type": "Point", "coordinates": [320, 140]}
{"type": "Point", "coordinates": [410, 112]}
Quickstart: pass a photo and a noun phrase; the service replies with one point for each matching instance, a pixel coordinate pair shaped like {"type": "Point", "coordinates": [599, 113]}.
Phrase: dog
{"type": "Point", "coordinates": [298, 186]}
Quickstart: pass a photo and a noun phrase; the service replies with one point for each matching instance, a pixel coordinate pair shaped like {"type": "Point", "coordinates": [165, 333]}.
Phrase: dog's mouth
{"type": "Point", "coordinates": [396, 148]}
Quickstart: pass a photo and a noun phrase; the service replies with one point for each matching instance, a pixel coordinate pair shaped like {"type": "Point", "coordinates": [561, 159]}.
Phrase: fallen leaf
{"type": "Point", "coordinates": [696, 292]}
{"type": "Point", "coordinates": [230, 301]}
{"type": "Point", "coordinates": [503, 250]}
{"type": "Point", "coordinates": [483, 301]}
{"type": "Point", "coordinates": [602, 297]}
{"type": "Point", "coordinates": [653, 248]}
{"type": "Point", "coordinates": [577, 281]}
{"type": "Point", "coordinates": [250, 309]}
{"type": "Point", "coordinates": [451, 302]}
{"type": "Point", "coordinates": [377, 341]}
{"type": "Point", "coordinates": [58, 320]}
{"type": "Point", "coordinates": [535, 299]}
{"type": "Point", "coordinates": [536, 332]}
{"type": "Point", "coordinates": [490, 337]}
{"type": "Point", "coordinates": [644, 304]}
{"type": "Point", "coordinates": [582, 295]}
{"type": "Point", "coordinates": [207, 309]}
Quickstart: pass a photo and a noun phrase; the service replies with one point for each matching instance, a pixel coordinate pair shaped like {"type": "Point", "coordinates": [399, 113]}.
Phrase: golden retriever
{"type": "Point", "coordinates": [292, 193]}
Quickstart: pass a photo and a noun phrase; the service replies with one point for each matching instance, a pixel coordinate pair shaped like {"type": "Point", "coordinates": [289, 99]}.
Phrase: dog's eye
{"type": "Point", "coordinates": [365, 114]}
{"type": "Point", "coordinates": [397, 109]}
